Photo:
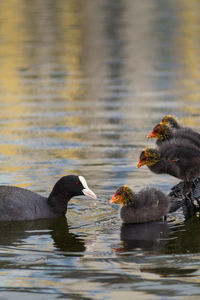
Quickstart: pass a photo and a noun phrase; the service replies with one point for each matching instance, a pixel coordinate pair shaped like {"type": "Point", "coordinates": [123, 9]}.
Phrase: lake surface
{"type": "Point", "coordinates": [82, 83]}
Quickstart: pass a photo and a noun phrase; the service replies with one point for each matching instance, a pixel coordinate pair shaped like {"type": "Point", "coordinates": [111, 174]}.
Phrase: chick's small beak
{"type": "Point", "coordinates": [114, 199]}
{"type": "Point", "coordinates": [151, 135]}
{"type": "Point", "coordinates": [140, 164]}
{"type": "Point", "coordinates": [88, 192]}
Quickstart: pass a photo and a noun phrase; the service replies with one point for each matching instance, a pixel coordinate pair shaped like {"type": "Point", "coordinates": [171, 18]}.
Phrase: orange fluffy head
{"type": "Point", "coordinates": [161, 132]}
{"type": "Point", "coordinates": [124, 196]}
{"type": "Point", "coordinates": [149, 156]}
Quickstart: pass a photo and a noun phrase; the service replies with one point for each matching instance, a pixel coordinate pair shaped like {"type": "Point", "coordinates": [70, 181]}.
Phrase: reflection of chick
{"type": "Point", "coordinates": [163, 132]}
{"type": "Point", "coordinates": [146, 206]}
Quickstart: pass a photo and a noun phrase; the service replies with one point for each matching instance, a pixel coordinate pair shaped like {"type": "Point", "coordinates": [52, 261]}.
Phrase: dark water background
{"type": "Point", "coordinates": [81, 85]}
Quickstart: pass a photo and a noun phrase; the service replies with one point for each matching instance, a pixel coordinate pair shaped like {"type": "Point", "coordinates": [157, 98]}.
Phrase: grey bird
{"type": "Point", "coordinates": [147, 205]}
{"type": "Point", "coordinates": [21, 204]}
{"type": "Point", "coordinates": [163, 132]}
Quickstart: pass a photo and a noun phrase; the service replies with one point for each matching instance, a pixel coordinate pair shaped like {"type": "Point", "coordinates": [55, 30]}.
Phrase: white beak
{"type": "Point", "coordinates": [89, 193]}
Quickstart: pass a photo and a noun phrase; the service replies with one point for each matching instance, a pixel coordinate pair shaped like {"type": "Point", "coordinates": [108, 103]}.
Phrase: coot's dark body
{"type": "Point", "coordinates": [21, 204]}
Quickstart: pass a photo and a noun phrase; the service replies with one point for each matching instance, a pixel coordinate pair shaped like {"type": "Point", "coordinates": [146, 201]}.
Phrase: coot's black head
{"type": "Point", "coordinates": [70, 186]}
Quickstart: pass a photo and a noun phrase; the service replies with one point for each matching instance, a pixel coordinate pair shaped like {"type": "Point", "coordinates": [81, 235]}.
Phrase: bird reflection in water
{"type": "Point", "coordinates": [57, 229]}
{"type": "Point", "coordinates": [146, 236]}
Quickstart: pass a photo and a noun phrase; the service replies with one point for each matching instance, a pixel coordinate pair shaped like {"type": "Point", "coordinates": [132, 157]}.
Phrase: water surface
{"type": "Point", "coordinates": [82, 83]}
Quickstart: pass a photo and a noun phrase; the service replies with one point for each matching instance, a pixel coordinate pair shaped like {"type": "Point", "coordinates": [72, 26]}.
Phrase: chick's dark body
{"type": "Point", "coordinates": [180, 159]}
{"type": "Point", "coordinates": [148, 205]}
{"type": "Point", "coordinates": [182, 135]}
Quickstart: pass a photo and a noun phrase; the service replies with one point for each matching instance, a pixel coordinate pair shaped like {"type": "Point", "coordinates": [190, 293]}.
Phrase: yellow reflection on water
{"type": "Point", "coordinates": [21, 29]}
{"type": "Point", "coordinates": [12, 35]}
{"type": "Point", "coordinates": [188, 53]}
{"type": "Point", "coordinates": [71, 24]}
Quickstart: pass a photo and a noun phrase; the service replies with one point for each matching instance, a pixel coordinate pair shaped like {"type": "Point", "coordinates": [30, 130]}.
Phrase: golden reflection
{"type": "Point", "coordinates": [71, 24]}
{"type": "Point", "coordinates": [12, 33]}
{"type": "Point", "coordinates": [188, 52]}
{"type": "Point", "coordinates": [12, 57]}
{"type": "Point", "coordinates": [19, 25]}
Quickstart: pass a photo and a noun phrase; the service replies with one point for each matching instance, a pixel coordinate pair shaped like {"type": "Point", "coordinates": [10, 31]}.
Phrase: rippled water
{"type": "Point", "coordinates": [81, 85]}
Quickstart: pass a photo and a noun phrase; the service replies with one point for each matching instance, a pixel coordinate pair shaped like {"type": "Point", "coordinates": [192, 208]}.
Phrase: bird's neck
{"type": "Point", "coordinates": [167, 135]}
{"type": "Point", "coordinates": [175, 125]}
{"type": "Point", "coordinates": [129, 201]}
{"type": "Point", "coordinates": [157, 167]}
{"type": "Point", "coordinates": [58, 203]}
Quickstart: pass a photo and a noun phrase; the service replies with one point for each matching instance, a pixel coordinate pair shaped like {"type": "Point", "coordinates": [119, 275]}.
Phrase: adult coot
{"type": "Point", "coordinates": [21, 204]}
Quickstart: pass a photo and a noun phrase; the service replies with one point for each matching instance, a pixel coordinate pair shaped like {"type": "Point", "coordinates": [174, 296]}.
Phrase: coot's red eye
{"type": "Point", "coordinates": [76, 182]}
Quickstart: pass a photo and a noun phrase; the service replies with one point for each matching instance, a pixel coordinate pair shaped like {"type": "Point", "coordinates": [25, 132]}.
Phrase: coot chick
{"type": "Point", "coordinates": [171, 121]}
{"type": "Point", "coordinates": [181, 160]}
{"type": "Point", "coordinates": [163, 132]}
{"type": "Point", "coordinates": [21, 204]}
{"type": "Point", "coordinates": [145, 206]}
